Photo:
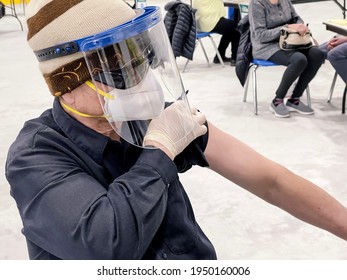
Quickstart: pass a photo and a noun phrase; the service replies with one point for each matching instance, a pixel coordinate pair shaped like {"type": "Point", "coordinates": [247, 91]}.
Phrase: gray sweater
{"type": "Point", "coordinates": [266, 20]}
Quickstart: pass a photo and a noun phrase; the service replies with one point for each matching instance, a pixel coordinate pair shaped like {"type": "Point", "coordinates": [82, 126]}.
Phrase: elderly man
{"type": "Point", "coordinates": [96, 176]}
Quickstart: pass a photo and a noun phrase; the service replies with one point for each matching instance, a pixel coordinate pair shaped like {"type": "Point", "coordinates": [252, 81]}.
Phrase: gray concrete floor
{"type": "Point", "coordinates": [240, 225]}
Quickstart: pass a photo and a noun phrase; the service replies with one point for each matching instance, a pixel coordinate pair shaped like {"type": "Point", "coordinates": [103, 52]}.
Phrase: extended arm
{"type": "Point", "coordinates": [274, 183]}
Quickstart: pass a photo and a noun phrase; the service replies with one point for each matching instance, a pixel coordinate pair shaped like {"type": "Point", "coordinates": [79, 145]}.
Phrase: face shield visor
{"type": "Point", "coordinates": [135, 74]}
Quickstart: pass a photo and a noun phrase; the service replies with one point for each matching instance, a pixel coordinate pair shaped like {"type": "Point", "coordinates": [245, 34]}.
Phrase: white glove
{"type": "Point", "coordinates": [171, 131]}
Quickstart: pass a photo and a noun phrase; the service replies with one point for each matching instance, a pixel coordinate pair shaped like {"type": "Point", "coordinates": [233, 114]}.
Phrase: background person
{"type": "Point", "coordinates": [90, 186]}
{"type": "Point", "coordinates": [267, 17]}
{"type": "Point", "coordinates": [210, 17]}
{"type": "Point", "coordinates": [335, 51]}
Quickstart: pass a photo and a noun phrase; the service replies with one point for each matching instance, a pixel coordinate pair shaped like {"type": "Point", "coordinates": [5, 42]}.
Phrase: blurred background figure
{"type": "Point", "coordinates": [267, 18]}
{"type": "Point", "coordinates": [335, 51]}
{"type": "Point", "coordinates": [211, 17]}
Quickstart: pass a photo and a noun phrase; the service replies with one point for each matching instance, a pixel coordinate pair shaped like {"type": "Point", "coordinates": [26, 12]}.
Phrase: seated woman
{"type": "Point", "coordinates": [210, 17]}
{"type": "Point", "coordinates": [266, 18]}
{"type": "Point", "coordinates": [335, 51]}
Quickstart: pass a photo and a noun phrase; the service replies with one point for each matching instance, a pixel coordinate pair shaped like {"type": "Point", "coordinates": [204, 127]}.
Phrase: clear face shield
{"type": "Point", "coordinates": [135, 73]}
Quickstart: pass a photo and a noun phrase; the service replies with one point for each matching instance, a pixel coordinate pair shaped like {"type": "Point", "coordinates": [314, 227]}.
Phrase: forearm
{"type": "Point", "coordinates": [306, 201]}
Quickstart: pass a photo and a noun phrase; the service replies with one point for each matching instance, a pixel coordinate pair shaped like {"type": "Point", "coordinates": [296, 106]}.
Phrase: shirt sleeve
{"type": "Point", "coordinates": [193, 154]}
{"type": "Point", "coordinates": [67, 210]}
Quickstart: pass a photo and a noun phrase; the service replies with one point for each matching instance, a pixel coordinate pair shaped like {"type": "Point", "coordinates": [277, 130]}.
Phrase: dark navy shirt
{"type": "Point", "coordinates": [83, 196]}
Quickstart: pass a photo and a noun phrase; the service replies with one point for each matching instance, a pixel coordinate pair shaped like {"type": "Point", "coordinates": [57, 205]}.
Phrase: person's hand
{"type": "Point", "coordinates": [333, 42]}
{"type": "Point", "coordinates": [171, 131]}
{"type": "Point", "coordinates": [301, 28]}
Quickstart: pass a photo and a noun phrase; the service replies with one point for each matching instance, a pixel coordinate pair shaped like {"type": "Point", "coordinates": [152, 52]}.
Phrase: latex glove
{"type": "Point", "coordinates": [169, 132]}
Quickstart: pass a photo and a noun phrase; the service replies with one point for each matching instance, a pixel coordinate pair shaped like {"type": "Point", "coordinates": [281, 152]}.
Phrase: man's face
{"type": "Point", "coordinates": [85, 100]}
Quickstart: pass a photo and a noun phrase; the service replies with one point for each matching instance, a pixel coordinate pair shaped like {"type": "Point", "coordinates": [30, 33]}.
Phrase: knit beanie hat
{"type": "Point", "coordinates": [53, 22]}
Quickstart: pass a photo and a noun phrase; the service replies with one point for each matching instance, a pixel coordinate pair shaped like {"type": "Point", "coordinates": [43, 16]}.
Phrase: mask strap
{"type": "Point", "coordinates": [99, 91]}
{"type": "Point", "coordinates": [78, 112]}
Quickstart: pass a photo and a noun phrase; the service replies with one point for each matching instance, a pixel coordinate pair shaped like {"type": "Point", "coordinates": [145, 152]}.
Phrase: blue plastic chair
{"type": "Point", "coordinates": [255, 64]}
{"type": "Point", "coordinates": [199, 37]}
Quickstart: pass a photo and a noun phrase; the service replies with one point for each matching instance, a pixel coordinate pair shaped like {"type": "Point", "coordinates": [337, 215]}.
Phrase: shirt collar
{"type": "Point", "coordinates": [90, 141]}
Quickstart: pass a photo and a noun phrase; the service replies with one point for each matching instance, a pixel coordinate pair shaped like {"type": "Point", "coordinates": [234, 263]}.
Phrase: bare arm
{"type": "Point", "coordinates": [275, 184]}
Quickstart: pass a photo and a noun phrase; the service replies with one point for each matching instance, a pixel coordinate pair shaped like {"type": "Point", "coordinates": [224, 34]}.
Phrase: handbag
{"type": "Point", "coordinates": [292, 40]}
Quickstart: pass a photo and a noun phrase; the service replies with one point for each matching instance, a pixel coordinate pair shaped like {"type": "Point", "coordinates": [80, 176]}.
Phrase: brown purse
{"type": "Point", "coordinates": [292, 40]}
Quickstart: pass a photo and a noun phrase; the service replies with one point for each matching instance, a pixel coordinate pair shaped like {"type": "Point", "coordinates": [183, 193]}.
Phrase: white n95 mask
{"type": "Point", "coordinates": [143, 101]}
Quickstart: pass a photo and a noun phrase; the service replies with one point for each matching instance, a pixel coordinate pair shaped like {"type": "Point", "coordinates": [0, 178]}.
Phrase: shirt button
{"type": "Point", "coordinates": [164, 256]}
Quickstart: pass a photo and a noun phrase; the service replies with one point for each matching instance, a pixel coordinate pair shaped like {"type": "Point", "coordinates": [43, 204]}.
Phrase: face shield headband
{"type": "Point", "coordinates": [134, 66]}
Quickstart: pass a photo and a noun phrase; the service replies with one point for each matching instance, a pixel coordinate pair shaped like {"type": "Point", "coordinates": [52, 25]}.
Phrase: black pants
{"type": "Point", "coordinates": [302, 64]}
{"type": "Point", "coordinates": [227, 28]}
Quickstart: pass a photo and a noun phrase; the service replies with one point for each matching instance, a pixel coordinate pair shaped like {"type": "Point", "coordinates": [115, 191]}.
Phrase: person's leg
{"type": "Point", "coordinates": [315, 59]}
{"type": "Point", "coordinates": [227, 28]}
{"type": "Point", "coordinates": [324, 48]}
{"type": "Point", "coordinates": [296, 63]}
{"type": "Point", "coordinates": [338, 59]}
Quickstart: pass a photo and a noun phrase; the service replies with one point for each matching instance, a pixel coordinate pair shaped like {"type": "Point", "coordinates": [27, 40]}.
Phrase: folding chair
{"type": "Point", "coordinates": [343, 96]}
{"type": "Point", "coordinates": [255, 64]}
{"type": "Point", "coordinates": [13, 12]}
{"type": "Point", "coordinates": [199, 37]}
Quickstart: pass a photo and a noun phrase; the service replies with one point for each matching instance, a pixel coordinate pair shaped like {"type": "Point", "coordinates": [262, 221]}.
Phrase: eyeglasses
{"type": "Point", "coordinates": [114, 79]}
{"type": "Point", "coordinates": [127, 75]}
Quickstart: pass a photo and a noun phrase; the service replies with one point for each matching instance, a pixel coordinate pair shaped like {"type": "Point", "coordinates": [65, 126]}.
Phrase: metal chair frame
{"type": "Point", "coordinates": [331, 91]}
{"type": "Point", "coordinates": [199, 37]}
{"type": "Point", "coordinates": [255, 64]}
{"type": "Point", "coordinates": [13, 12]}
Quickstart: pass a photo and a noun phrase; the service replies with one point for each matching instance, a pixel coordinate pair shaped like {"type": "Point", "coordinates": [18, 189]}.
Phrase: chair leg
{"type": "Point", "coordinates": [185, 66]}
{"type": "Point", "coordinates": [308, 95]}
{"type": "Point", "coordinates": [245, 92]}
{"type": "Point", "coordinates": [344, 100]}
{"type": "Point", "coordinates": [255, 97]}
{"type": "Point", "coordinates": [203, 49]}
{"type": "Point", "coordinates": [252, 71]}
{"type": "Point", "coordinates": [332, 87]}
{"type": "Point", "coordinates": [216, 50]}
